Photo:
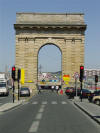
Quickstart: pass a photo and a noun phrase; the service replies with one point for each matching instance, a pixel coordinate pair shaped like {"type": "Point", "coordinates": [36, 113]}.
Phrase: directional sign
{"type": "Point", "coordinates": [76, 75]}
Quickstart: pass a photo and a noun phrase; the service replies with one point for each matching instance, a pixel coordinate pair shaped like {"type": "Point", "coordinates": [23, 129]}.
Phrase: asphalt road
{"type": "Point", "coordinates": [5, 99]}
{"type": "Point", "coordinates": [47, 112]}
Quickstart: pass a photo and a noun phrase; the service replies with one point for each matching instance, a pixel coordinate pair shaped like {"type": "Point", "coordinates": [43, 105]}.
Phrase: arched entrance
{"type": "Point", "coordinates": [33, 30]}
{"type": "Point", "coordinates": [49, 66]}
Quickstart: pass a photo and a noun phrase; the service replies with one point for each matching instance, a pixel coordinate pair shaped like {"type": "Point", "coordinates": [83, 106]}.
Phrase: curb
{"type": "Point", "coordinates": [11, 108]}
{"type": "Point", "coordinates": [86, 112]}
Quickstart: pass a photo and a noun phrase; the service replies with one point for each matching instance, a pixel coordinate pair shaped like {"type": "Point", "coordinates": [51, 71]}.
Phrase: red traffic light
{"type": "Point", "coordinates": [13, 68]}
{"type": "Point", "coordinates": [81, 67]}
{"type": "Point", "coordinates": [13, 73]}
{"type": "Point", "coordinates": [81, 73]}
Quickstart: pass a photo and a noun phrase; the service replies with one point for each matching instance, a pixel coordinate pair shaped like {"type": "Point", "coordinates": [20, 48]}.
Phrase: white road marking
{"type": "Point", "coordinates": [45, 102]}
{"type": "Point", "coordinates": [34, 127]}
{"type": "Point", "coordinates": [53, 102]}
{"type": "Point", "coordinates": [42, 106]}
{"type": "Point", "coordinates": [35, 102]}
{"type": "Point", "coordinates": [41, 110]}
{"type": "Point", "coordinates": [38, 116]}
{"type": "Point", "coordinates": [63, 102]}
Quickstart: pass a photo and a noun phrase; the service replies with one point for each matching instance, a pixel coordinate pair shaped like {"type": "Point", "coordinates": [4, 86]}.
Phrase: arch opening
{"type": "Point", "coordinates": [49, 66]}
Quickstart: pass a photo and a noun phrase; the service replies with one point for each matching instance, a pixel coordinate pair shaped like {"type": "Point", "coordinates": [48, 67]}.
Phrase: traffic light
{"type": "Point", "coordinates": [81, 73]}
{"type": "Point", "coordinates": [96, 78]}
{"type": "Point", "coordinates": [13, 73]}
{"type": "Point", "coordinates": [19, 74]}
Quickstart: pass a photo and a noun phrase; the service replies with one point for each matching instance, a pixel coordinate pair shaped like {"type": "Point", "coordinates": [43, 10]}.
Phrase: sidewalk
{"type": "Point", "coordinates": [90, 109]}
{"type": "Point", "coordinates": [11, 105]}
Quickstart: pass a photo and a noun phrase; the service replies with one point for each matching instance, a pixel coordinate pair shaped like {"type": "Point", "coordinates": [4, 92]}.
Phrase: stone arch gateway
{"type": "Point", "coordinates": [33, 30]}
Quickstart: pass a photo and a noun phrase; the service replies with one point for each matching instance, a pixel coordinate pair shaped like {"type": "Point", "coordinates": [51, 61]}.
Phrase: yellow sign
{"type": "Point", "coordinates": [22, 76]}
{"type": "Point", "coordinates": [66, 78]}
{"type": "Point", "coordinates": [66, 83]}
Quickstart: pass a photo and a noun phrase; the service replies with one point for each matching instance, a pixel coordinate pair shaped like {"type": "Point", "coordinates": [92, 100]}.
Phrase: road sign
{"type": "Point", "coordinates": [76, 75]}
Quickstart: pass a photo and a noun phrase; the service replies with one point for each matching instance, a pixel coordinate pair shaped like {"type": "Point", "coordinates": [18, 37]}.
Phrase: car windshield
{"type": "Point", "coordinates": [3, 85]}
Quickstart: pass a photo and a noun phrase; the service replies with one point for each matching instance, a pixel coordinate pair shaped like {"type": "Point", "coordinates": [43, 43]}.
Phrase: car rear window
{"type": "Point", "coordinates": [24, 89]}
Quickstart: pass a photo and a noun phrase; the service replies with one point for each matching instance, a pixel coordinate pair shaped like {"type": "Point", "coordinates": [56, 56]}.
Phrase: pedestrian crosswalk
{"type": "Point", "coordinates": [47, 102]}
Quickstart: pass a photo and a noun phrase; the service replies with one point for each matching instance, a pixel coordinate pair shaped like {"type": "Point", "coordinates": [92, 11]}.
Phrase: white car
{"type": "Point", "coordinates": [96, 99]}
{"type": "Point", "coordinates": [3, 89]}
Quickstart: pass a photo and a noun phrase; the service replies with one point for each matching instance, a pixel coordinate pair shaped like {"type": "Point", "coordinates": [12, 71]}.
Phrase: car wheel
{"type": "Point", "coordinates": [97, 101]}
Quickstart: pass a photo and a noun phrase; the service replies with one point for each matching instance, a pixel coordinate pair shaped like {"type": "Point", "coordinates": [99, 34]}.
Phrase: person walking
{"type": "Point", "coordinates": [39, 89]}
{"type": "Point", "coordinates": [57, 88]}
{"type": "Point", "coordinates": [52, 88]}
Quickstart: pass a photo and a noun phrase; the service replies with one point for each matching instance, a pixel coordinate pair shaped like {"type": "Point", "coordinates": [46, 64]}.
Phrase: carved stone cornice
{"type": "Point", "coordinates": [48, 26]}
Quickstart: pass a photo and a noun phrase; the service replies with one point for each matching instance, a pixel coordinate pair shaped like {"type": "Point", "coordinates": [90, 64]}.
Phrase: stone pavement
{"type": "Point", "coordinates": [90, 109]}
{"type": "Point", "coordinates": [10, 105]}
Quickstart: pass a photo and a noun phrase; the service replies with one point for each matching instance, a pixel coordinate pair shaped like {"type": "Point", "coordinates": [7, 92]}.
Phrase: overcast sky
{"type": "Point", "coordinates": [8, 9]}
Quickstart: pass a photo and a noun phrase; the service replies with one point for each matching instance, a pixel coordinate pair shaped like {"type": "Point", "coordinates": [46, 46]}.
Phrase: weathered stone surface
{"type": "Point", "coordinates": [34, 30]}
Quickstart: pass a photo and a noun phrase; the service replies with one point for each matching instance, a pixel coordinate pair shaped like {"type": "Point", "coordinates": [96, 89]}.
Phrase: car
{"type": "Point", "coordinates": [70, 92]}
{"type": "Point", "coordinates": [24, 91]}
{"type": "Point", "coordinates": [96, 99]}
{"type": "Point", "coordinates": [95, 93]}
{"type": "Point", "coordinates": [85, 93]}
{"type": "Point", "coordinates": [3, 89]}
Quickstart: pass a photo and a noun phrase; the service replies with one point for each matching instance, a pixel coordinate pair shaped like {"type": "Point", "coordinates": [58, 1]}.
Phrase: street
{"type": "Point", "coordinates": [47, 112]}
{"type": "Point", "coordinates": [5, 99]}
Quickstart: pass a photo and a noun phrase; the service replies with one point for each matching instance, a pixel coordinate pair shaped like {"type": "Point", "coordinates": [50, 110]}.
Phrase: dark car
{"type": "Point", "coordinates": [95, 93]}
{"type": "Point", "coordinates": [70, 92]}
{"type": "Point", "coordinates": [24, 91]}
{"type": "Point", "coordinates": [85, 93]}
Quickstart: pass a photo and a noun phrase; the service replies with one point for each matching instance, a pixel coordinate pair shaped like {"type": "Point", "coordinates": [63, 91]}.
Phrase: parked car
{"type": "Point", "coordinates": [70, 92]}
{"type": "Point", "coordinates": [24, 91]}
{"type": "Point", "coordinates": [85, 93]}
{"type": "Point", "coordinates": [95, 93]}
{"type": "Point", "coordinates": [96, 99]}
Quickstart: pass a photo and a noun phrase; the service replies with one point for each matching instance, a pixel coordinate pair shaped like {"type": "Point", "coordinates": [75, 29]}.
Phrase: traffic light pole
{"type": "Point", "coordinates": [96, 86]}
{"type": "Point", "coordinates": [18, 90]}
{"type": "Point", "coordinates": [81, 92]}
{"type": "Point", "coordinates": [13, 92]}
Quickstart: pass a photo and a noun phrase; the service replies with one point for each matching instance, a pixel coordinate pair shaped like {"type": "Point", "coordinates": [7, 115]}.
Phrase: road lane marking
{"type": "Point", "coordinates": [63, 102]}
{"type": "Point", "coordinates": [35, 102]}
{"type": "Point", "coordinates": [42, 106]}
{"type": "Point", "coordinates": [41, 110]}
{"type": "Point", "coordinates": [35, 124]}
{"type": "Point", "coordinates": [38, 116]}
{"type": "Point", "coordinates": [45, 102]}
{"type": "Point", "coordinates": [53, 102]}
{"type": "Point", "coordinates": [34, 127]}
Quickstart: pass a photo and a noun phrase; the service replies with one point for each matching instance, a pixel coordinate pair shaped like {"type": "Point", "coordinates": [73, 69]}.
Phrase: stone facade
{"type": "Point", "coordinates": [34, 30]}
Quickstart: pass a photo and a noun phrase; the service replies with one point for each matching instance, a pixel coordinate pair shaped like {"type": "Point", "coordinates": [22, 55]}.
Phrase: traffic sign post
{"type": "Point", "coordinates": [76, 76]}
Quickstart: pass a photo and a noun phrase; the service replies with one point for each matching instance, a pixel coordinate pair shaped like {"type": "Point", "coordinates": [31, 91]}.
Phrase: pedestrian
{"type": "Point", "coordinates": [57, 88]}
{"type": "Point", "coordinates": [39, 88]}
{"type": "Point", "coordinates": [52, 88]}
